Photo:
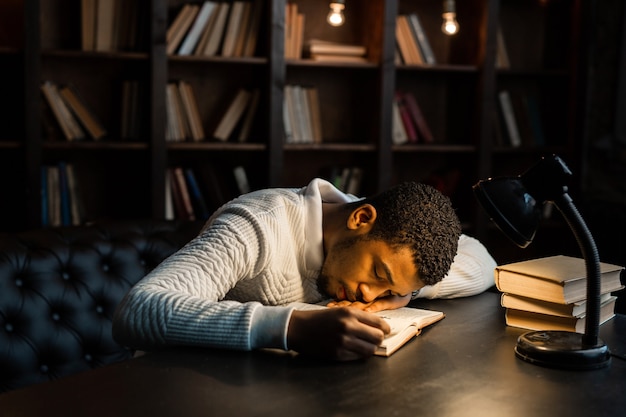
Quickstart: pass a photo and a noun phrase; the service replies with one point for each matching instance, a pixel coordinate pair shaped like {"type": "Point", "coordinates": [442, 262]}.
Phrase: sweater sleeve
{"type": "Point", "coordinates": [471, 272]}
{"type": "Point", "coordinates": [181, 302]}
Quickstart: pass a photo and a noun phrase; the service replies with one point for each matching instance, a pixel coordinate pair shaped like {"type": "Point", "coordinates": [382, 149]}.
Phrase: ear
{"type": "Point", "coordinates": [363, 217]}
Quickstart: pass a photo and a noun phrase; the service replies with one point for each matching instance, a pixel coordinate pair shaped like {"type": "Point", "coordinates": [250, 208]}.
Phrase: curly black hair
{"type": "Point", "coordinates": [417, 216]}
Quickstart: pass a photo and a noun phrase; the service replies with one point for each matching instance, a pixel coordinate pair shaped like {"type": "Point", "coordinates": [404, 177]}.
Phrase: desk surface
{"type": "Point", "coordinates": [463, 365]}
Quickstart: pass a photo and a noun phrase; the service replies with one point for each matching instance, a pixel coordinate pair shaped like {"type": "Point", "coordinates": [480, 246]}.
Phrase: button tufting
{"type": "Point", "coordinates": [8, 327]}
{"type": "Point", "coordinates": [19, 282]}
{"type": "Point", "coordinates": [88, 357]}
{"type": "Point", "coordinates": [44, 369]}
{"type": "Point", "coordinates": [56, 317]}
{"type": "Point", "coordinates": [105, 267]}
{"type": "Point", "coordinates": [99, 309]}
{"type": "Point", "coordinates": [66, 276]}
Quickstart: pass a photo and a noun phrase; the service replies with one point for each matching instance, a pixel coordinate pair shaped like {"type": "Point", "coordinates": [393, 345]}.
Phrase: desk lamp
{"type": "Point", "coordinates": [515, 205]}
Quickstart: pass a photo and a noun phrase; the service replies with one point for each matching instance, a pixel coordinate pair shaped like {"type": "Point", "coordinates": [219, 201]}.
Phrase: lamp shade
{"type": "Point", "coordinates": [511, 207]}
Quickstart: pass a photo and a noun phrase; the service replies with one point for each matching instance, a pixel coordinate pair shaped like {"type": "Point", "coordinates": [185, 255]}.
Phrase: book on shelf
{"type": "Point", "coordinates": [558, 279]}
{"type": "Point", "coordinates": [423, 128]}
{"type": "Point", "coordinates": [77, 208]}
{"type": "Point", "coordinates": [54, 196]}
{"type": "Point", "coordinates": [233, 27]}
{"type": "Point", "coordinates": [67, 122]}
{"type": "Point", "coordinates": [252, 34]}
{"type": "Point", "coordinates": [540, 321]}
{"type": "Point", "coordinates": [322, 47]}
{"type": "Point", "coordinates": [407, 43]}
{"type": "Point", "coordinates": [502, 55]}
{"type": "Point", "coordinates": [406, 323]}
{"type": "Point", "coordinates": [191, 111]}
{"type": "Point", "coordinates": [294, 31]}
{"type": "Point", "coordinates": [192, 38]}
{"type": "Point", "coordinates": [241, 179]}
{"type": "Point", "coordinates": [398, 132]}
{"type": "Point", "coordinates": [88, 13]}
{"type": "Point", "coordinates": [181, 195]}
{"type": "Point", "coordinates": [338, 58]}
{"type": "Point", "coordinates": [130, 116]}
{"type": "Point", "coordinates": [105, 24]}
{"type": "Point", "coordinates": [82, 112]}
{"type": "Point", "coordinates": [312, 96]}
{"type": "Point", "coordinates": [347, 178]}
{"type": "Point", "coordinates": [405, 117]}
{"type": "Point", "coordinates": [250, 116]}
{"type": "Point", "coordinates": [198, 201]}
{"type": "Point", "coordinates": [180, 26]}
{"type": "Point", "coordinates": [175, 125]}
{"type": "Point", "coordinates": [509, 121]}
{"type": "Point", "coordinates": [232, 115]}
{"type": "Point", "coordinates": [242, 32]}
{"type": "Point", "coordinates": [419, 34]}
{"type": "Point", "coordinates": [534, 116]}
{"type": "Point", "coordinates": [212, 40]}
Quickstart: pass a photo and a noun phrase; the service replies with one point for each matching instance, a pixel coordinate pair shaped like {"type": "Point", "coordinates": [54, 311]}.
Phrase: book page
{"type": "Point", "coordinates": [405, 323]}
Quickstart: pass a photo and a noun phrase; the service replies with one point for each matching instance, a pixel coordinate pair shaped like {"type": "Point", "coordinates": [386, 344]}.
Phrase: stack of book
{"type": "Point", "coordinates": [326, 51]}
{"type": "Point", "coordinates": [550, 293]}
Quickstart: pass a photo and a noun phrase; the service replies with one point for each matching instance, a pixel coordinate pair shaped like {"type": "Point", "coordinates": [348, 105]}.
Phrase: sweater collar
{"type": "Point", "coordinates": [315, 193]}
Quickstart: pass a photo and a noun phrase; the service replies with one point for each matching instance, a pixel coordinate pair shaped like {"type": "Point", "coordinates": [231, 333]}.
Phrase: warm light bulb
{"type": "Point", "coordinates": [450, 26]}
{"type": "Point", "coordinates": [335, 16]}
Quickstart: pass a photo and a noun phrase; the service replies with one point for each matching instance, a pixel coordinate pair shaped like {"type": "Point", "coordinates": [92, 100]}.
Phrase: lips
{"type": "Point", "coordinates": [341, 293]}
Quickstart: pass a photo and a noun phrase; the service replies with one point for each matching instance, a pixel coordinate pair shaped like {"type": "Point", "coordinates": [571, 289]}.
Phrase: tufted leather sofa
{"type": "Point", "coordinates": [59, 288]}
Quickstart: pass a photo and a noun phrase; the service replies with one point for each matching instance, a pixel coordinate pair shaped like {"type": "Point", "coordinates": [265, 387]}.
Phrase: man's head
{"type": "Point", "coordinates": [394, 242]}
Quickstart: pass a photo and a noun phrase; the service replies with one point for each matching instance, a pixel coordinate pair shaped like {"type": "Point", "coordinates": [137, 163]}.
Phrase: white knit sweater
{"type": "Point", "coordinates": [229, 286]}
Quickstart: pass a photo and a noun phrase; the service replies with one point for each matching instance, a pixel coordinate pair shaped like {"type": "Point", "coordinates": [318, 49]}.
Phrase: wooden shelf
{"type": "Point", "coordinates": [457, 95]}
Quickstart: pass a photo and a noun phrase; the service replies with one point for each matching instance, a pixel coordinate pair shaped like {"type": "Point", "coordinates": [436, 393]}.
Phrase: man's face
{"type": "Point", "coordinates": [364, 270]}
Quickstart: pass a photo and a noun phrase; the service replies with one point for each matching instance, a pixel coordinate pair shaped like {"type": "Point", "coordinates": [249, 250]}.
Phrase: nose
{"type": "Point", "coordinates": [370, 292]}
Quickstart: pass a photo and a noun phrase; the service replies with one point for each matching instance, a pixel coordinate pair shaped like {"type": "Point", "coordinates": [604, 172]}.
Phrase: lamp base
{"type": "Point", "coordinates": [562, 350]}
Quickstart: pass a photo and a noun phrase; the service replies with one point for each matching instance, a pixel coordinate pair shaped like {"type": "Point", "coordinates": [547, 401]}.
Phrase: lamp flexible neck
{"type": "Point", "coordinates": [592, 263]}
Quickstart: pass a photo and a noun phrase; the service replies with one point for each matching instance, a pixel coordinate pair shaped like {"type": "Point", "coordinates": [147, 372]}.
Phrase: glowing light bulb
{"type": "Point", "coordinates": [450, 26]}
{"type": "Point", "coordinates": [336, 16]}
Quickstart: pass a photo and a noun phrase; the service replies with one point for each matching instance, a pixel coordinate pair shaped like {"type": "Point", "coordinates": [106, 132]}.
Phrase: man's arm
{"type": "Point", "coordinates": [471, 272]}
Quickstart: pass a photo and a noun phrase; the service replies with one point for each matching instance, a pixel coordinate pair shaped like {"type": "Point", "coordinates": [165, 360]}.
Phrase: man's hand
{"type": "Point", "coordinates": [389, 302]}
{"type": "Point", "coordinates": [339, 333]}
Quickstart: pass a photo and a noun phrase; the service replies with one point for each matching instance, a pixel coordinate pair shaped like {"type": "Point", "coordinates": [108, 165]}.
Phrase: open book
{"type": "Point", "coordinates": [405, 323]}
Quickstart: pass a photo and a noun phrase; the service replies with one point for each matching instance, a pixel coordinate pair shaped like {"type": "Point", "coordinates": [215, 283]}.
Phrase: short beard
{"type": "Point", "coordinates": [324, 279]}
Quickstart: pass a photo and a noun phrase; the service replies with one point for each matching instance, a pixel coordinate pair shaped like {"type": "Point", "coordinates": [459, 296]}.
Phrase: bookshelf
{"type": "Point", "coordinates": [123, 175]}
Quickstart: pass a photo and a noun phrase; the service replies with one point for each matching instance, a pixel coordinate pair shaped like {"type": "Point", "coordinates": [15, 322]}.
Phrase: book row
{"type": "Point", "coordinates": [519, 122]}
{"type": "Point", "coordinates": [213, 28]}
{"type": "Point", "coordinates": [61, 203]}
{"type": "Point", "coordinates": [550, 293]}
{"type": "Point", "coordinates": [409, 124]}
{"type": "Point", "coordinates": [111, 25]}
{"type": "Point", "coordinates": [194, 194]}
{"type": "Point", "coordinates": [413, 46]}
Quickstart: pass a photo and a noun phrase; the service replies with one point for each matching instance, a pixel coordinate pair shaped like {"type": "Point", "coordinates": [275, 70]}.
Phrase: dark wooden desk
{"type": "Point", "coordinates": [461, 366]}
